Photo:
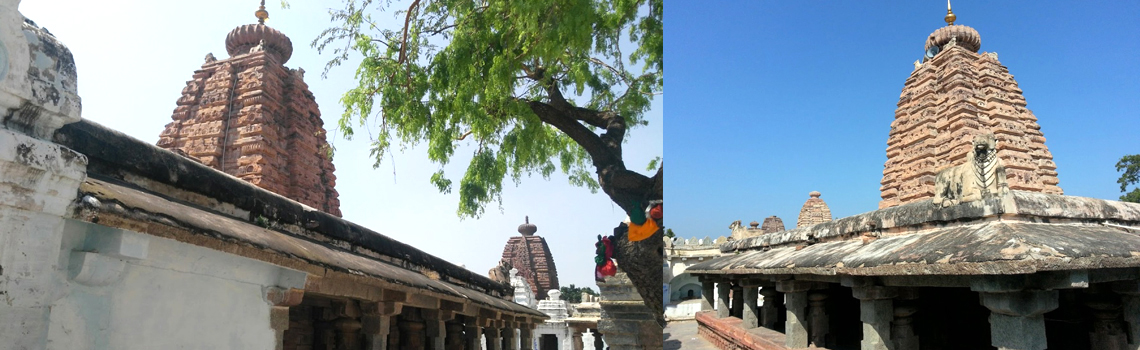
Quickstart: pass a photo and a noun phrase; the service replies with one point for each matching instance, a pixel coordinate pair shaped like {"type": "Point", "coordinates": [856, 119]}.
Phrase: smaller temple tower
{"type": "Point", "coordinates": [531, 256]}
{"type": "Point", "coordinates": [814, 211]}
{"type": "Point", "coordinates": [250, 116]}
{"type": "Point", "coordinates": [772, 224]}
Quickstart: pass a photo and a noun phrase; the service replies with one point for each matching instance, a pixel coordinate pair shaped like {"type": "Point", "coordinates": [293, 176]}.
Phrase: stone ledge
{"type": "Point", "coordinates": [117, 157]}
{"type": "Point", "coordinates": [1029, 206]}
{"type": "Point", "coordinates": [727, 333]}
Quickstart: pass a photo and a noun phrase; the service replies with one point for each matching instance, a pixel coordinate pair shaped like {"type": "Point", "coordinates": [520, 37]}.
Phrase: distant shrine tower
{"type": "Point", "coordinates": [953, 94]}
{"type": "Point", "coordinates": [250, 116]}
{"type": "Point", "coordinates": [531, 256]}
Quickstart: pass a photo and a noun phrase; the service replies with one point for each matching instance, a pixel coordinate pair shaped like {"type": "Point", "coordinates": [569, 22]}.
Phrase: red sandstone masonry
{"type": "Point", "coordinates": [531, 256]}
{"type": "Point", "coordinates": [253, 118]}
{"type": "Point", "coordinates": [727, 334]}
{"type": "Point", "coordinates": [944, 103]}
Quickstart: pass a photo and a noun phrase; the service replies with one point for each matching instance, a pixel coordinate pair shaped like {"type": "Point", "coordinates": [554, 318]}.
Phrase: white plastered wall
{"type": "Point", "coordinates": [164, 295]}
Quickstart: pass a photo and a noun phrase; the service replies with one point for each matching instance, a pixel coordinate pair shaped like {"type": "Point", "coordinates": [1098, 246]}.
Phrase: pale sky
{"type": "Point", "coordinates": [134, 57]}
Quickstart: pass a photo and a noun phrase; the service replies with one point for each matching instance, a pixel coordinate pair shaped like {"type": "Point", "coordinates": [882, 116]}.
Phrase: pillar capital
{"type": "Point", "coordinates": [1016, 318]}
{"type": "Point", "coordinates": [792, 286]}
{"type": "Point", "coordinates": [1021, 303]}
{"type": "Point", "coordinates": [874, 292]}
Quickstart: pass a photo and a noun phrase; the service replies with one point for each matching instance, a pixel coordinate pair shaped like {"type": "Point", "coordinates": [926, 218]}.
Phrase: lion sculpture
{"type": "Point", "coordinates": [983, 174]}
{"type": "Point", "coordinates": [501, 273]}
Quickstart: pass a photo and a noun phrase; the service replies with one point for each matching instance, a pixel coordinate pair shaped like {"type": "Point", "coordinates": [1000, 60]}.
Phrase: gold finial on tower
{"type": "Point", "coordinates": [950, 17]}
{"type": "Point", "coordinates": [262, 14]}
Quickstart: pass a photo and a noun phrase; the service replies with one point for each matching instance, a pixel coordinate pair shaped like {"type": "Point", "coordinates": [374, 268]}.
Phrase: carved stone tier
{"type": "Point", "coordinates": [814, 211]}
{"type": "Point", "coordinates": [256, 119]}
{"type": "Point", "coordinates": [945, 102]}
{"type": "Point", "coordinates": [531, 256]}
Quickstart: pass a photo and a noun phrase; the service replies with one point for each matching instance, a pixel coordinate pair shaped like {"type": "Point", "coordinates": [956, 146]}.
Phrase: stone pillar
{"type": "Point", "coordinates": [472, 334]}
{"type": "Point", "coordinates": [494, 341]}
{"type": "Point", "coordinates": [412, 335]}
{"type": "Point", "coordinates": [41, 178]}
{"type": "Point", "coordinates": [795, 299]}
{"type": "Point", "coordinates": [876, 310]}
{"type": "Point", "coordinates": [770, 312]}
{"type": "Point", "coordinates": [526, 337]}
{"type": "Point", "coordinates": [576, 340]}
{"type": "Point", "coordinates": [722, 290]}
{"type": "Point", "coordinates": [820, 322]}
{"type": "Point", "coordinates": [1109, 331]}
{"type": "Point", "coordinates": [347, 325]}
{"type": "Point", "coordinates": [626, 321]}
{"type": "Point", "coordinates": [737, 300]}
{"type": "Point", "coordinates": [376, 323]}
{"type": "Point", "coordinates": [902, 329]}
{"type": "Point", "coordinates": [1016, 318]}
{"type": "Point", "coordinates": [454, 338]}
{"type": "Point", "coordinates": [510, 339]}
{"type": "Point", "coordinates": [1129, 292]}
{"type": "Point", "coordinates": [751, 316]}
{"type": "Point", "coordinates": [281, 299]}
{"type": "Point", "coordinates": [436, 327]}
{"type": "Point", "coordinates": [707, 295]}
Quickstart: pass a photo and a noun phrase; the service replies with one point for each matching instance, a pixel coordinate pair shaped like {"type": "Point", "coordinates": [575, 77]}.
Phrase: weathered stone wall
{"type": "Point", "coordinates": [253, 118]}
{"type": "Point", "coordinates": [944, 103]}
{"type": "Point", "coordinates": [531, 256]}
{"type": "Point", "coordinates": [127, 290]}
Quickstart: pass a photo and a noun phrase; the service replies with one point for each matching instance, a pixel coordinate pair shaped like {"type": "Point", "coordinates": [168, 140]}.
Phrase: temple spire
{"type": "Point", "coordinates": [262, 14]}
{"type": "Point", "coordinates": [950, 17]}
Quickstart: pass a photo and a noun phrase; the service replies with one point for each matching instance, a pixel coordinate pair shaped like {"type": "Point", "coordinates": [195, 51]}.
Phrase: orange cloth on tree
{"type": "Point", "coordinates": [643, 231]}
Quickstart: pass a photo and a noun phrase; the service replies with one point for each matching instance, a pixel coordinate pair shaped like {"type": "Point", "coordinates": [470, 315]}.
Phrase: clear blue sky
{"type": "Point", "coordinates": [134, 57]}
{"type": "Point", "coordinates": [770, 100]}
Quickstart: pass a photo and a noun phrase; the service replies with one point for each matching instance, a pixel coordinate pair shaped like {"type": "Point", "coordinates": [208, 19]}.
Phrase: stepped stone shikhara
{"type": "Point", "coordinates": [950, 97]}
{"type": "Point", "coordinates": [772, 224]}
{"type": "Point", "coordinates": [814, 211]}
{"type": "Point", "coordinates": [252, 117]}
{"type": "Point", "coordinates": [530, 255]}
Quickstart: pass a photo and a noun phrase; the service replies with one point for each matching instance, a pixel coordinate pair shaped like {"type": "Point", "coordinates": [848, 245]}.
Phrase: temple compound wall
{"type": "Point", "coordinates": [107, 242]}
{"type": "Point", "coordinates": [684, 289]}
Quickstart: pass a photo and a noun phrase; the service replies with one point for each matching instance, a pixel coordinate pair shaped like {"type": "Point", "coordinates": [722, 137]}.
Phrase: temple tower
{"type": "Point", "coordinates": [814, 211]}
{"type": "Point", "coordinates": [953, 94]}
{"type": "Point", "coordinates": [531, 256]}
{"type": "Point", "coordinates": [772, 224]}
{"type": "Point", "coordinates": [250, 116]}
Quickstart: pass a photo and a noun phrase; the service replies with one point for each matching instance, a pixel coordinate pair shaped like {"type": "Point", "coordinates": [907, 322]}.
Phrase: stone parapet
{"type": "Point", "coordinates": [728, 334]}
{"type": "Point", "coordinates": [626, 322]}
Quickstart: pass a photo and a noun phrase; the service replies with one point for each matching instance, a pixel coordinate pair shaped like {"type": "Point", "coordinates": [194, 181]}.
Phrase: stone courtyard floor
{"type": "Point", "coordinates": [683, 335]}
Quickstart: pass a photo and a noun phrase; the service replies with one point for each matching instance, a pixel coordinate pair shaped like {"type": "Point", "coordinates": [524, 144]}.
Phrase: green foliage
{"type": "Point", "coordinates": [669, 233]}
{"type": "Point", "coordinates": [1130, 166]}
{"type": "Point", "coordinates": [463, 74]}
{"type": "Point", "coordinates": [573, 295]}
{"type": "Point", "coordinates": [653, 164]}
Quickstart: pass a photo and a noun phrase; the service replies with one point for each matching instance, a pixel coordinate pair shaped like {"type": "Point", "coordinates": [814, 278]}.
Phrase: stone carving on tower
{"type": "Point", "coordinates": [772, 224]}
{"type": "Point", "coordinates": [531, 256]}
{"type": "Point", "coordinates": [814, 211]}
{"type": "Point", "coordinates": [250, 116]}
{"type": "Point", "coordinates": [953, 95]}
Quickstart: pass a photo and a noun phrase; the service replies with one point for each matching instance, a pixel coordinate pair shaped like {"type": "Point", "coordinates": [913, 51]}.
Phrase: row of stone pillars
{"type": "Point", "coordinates": [392, 325]}
{"type": "Point", "coordinates": [1016, 314]}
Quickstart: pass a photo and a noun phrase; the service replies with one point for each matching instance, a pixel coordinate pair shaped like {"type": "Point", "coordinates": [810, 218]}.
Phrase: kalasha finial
{"type": "Point", "coordinates": [528, 228]}
{"type": "Point", "coordinates": [950, 17]}
{"type": "Point", "coordinates": [262, 14]}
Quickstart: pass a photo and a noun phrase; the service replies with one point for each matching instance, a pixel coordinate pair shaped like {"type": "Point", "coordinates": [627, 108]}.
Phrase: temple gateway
{"type": "Point", "coordinates": [973, 247]}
